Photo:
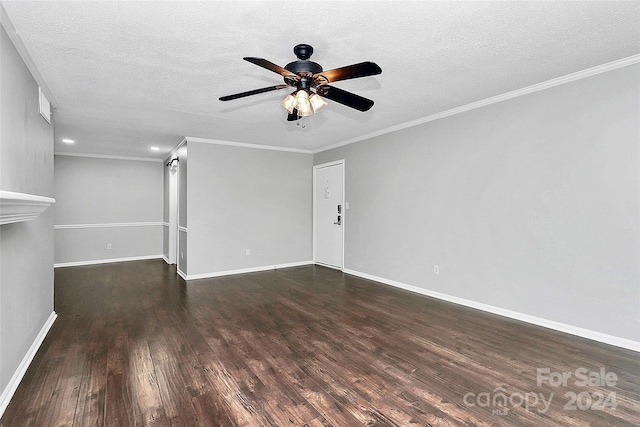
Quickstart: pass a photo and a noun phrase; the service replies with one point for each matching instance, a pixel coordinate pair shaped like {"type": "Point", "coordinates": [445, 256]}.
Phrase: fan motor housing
{"type": "Point", "coordinates": [297, 67]}
{"type": "Point", "coordinates": [303, 65]}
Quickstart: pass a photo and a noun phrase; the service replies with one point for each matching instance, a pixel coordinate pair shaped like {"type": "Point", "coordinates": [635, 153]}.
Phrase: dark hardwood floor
{"type": "Point", "coordinates": [135, 345]}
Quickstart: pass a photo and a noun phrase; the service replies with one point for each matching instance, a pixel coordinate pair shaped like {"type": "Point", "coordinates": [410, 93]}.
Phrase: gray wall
{"type": "Point", "coordinates": [244, 198]}
{"type": "Point", "coordinates": [107, 192]}
{"type": "Point", "coordinates": [26, 248]}
{"type": "Point", "coordinates": [531, 204]}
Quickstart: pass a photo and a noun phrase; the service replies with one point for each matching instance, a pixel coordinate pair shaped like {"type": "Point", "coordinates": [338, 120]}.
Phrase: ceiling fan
{"type": "Point", "coordinates": [311, 84]}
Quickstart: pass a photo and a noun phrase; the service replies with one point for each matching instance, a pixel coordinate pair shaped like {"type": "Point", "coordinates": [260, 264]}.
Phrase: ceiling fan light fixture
{"type": "Point", "coordinates": [288, 103]}
{"type": "Point", "coordinates": [302, 104]}
{"type": "Point", "coordinates": [317, 103]}
{"type": "Point", "coordinates": [308, 78]}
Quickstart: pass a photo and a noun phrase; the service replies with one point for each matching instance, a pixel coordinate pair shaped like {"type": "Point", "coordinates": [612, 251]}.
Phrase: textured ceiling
{"type": "Point", "coordinates": [127, 75]}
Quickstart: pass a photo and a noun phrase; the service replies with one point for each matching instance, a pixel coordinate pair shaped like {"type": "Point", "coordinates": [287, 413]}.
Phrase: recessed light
{"type": "Point", "coordinates": [155, 149]}
{"type": "Point", "coordinates": [68, 141]}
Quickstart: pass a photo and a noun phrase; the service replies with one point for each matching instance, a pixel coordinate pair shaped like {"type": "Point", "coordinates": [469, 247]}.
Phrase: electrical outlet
{"type": "Point", "coordinates": [436, 269]}
{"type": "Point", "coordinates": [181, 255]}
{"type": "Point", "coordinates": [108, 245]}
{"type": "Point", "coordinates": [247, 252]}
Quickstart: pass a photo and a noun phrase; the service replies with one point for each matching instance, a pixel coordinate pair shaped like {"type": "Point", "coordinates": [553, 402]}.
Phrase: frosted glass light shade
{"type": "Point", "coordinates": [302, 104]}
{"type": "Point", "coordinates": [288, 103]}
{"type": "Point", "coordinates": [317, 103]}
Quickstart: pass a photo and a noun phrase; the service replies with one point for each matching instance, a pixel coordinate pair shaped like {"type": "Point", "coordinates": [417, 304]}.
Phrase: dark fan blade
{"type": "Point", "coordinates": [293, 116]}
{"type": "Point", "coordinates": [252, 92]}
{"type": "Point", "coordinates": [270, 66]}
{"type": "Point", "coordinates": [346, 98]}
{"type": "Point", "coordinates": [362, 69]}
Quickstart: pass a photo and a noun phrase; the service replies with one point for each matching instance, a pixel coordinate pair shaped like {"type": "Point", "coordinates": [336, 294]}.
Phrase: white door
{"type": "Point", "coordinates": [328, 213]}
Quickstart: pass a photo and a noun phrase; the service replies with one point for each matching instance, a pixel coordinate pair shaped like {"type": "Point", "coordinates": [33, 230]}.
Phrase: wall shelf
{"type": "Point", "coordinates": [17, 207]}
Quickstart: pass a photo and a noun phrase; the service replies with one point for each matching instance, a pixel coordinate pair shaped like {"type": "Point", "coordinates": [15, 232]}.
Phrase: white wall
{"type": "Point", "coordinates": [183, 204]}
{"type": "Point", "coordinates": [114, 194]}
{"type": "Point", "coordinates": [179, 178]}
{"type": "Point", "coordinates": [165, 212]}
{"type": "Point", "coordinates": [530, 205]}
{"type": "Point", "coordinates": [245, 198]}
{"type": "Point", "coordinates": [26, 248]}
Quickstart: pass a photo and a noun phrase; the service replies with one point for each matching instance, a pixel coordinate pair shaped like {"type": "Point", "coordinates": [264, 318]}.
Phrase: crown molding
{"type": "Point", "coordinates": [15, 38]}
{"type": "Point", "coordinates": [106, 156]}
{"type": "Point", "coordinates": [610, 66]}
{"type": "Point", "coordinates": [245, 145]}
{"type": "Point", "coordinates": [173, 153]}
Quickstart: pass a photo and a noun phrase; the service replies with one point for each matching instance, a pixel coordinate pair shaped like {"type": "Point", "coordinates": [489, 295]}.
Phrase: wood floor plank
{"type": "Point", "coordinates": [135, 345]}
{"type": "Point", "coordinates": [212, 411]}
{"type": "Point", "coordinates": [92, 393]}
{"type": "Point", "coordinates": [148, 405]}
{"type": "Point", "coordinates": [175, 395]}
{"type": "Point", "coordinates": [118, 404]}
{"type": "Point", "coordinates": [332, 413]}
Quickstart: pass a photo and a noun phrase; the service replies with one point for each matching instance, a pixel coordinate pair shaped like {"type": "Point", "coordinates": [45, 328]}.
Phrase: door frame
{"type": "Point", "coordinates": [344, 209]}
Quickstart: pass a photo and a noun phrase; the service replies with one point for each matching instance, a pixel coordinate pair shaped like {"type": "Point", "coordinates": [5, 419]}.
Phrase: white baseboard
{"type": "Point", "coordinates": [12, 386]}
{"type": "Point", "coordinates": [550, 324]}
{"type": "Point", "coordinates": [165, 259]}
{"type": "Point", "coordinates": [106, 261]}
{"type": "Point", "coordinates": [107, 225]}
{"type": "Point", "coordinates": [181, 274]}
{"type": "Point", "coordinates": [328, 266]}
{"type": "Point", "coordinates": [246, 270]}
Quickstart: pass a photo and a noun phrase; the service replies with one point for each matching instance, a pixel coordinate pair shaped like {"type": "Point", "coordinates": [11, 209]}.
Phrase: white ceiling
{"type": "Point", "coordinates": [127, 75]}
